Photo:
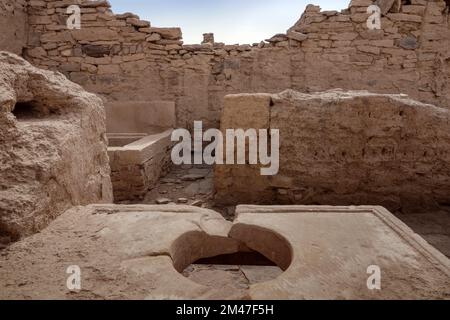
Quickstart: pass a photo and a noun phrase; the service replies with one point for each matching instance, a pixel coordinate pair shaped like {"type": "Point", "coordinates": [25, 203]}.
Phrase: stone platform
{"type": "Point", "coordinates": [139, 252]}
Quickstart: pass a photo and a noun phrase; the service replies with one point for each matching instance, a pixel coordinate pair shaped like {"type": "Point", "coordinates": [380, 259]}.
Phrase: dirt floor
{"type": "Point", "coordinates": [434, 227]}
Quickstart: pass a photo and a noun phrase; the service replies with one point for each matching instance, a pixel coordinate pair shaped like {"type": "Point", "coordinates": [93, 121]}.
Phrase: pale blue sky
{"type": "Point", "coordinates": [232, 21]}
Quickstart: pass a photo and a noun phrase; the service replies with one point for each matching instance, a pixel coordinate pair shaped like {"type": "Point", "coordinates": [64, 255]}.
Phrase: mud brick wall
{"type": "Point", "coordinates": [120, 56]}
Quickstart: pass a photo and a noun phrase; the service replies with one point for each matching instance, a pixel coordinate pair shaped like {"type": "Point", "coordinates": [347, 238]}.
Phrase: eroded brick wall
{"type": "Point", "coordinates": [123, 58]}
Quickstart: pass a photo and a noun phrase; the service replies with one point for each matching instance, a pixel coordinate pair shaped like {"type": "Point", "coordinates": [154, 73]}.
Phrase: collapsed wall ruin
{"type": "Point", "coordinates": [53, 148]}
{"type": "Point", "coordinates": [342, 147]}
{"type": "Point", "coordinates": [119, 55]}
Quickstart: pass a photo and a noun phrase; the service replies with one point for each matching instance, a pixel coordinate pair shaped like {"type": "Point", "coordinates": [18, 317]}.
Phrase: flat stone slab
{"type": "Point", "coordinates": [139, 252]}
{"type": "Point", "coordinates": [333, 248]}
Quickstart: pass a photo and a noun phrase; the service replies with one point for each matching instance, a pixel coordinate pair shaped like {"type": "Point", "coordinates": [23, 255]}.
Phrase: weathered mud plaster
{"type": "Point", "coordinates": [52, 148]}
{"type": "Point", "coordinates": [136, 167]}
{"type": "Point", "coordinates": [137, 252]}
{"type": "Point", "coordinates": [13, 25]}
{"type": "Point", "coordinates": [121, 56]}
{"type": "Point", "coordinates": [139, 136]}
{"type": "Point", "coordinates": [342, 148]}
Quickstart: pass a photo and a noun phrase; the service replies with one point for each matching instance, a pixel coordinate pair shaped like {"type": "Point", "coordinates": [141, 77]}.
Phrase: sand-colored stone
{"type": "Point", "coordinates": [343, 148]}
{"type": "Point", "coordinates": [139, 134]}
{"type": "Point", "coordinates": [138, 252]}
{"type": "Point", "coordinates": [13, 25]}
{"type": "Point", "coordinates": [138, 164]}
{"type": "Point", "coordinates": [332, 248]}
{"type": "Point", "coordinates": [323, 50]}
{"type": "Point", "coordinates": [125, 252]}
{"type": "Point", "coordinates": [53, 148]}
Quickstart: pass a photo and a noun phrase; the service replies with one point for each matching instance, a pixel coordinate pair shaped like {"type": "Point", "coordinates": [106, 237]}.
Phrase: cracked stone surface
{"type": "Point", "coordinates": [140, 252]}
{"type": "Point", "coordinates": [52, 148]}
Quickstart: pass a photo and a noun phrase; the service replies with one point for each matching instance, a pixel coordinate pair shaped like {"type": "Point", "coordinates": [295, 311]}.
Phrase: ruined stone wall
{"type": "Point", "coordinates": [13, 25]}
{"type": "Point", "coordinates": [53, 152]}
{"type": "Point", "coordinates": [342, 148]}
{"type": "Point", "coordinates": [136, 167]}
{"type": "Point", "coordinates": [121, 57]}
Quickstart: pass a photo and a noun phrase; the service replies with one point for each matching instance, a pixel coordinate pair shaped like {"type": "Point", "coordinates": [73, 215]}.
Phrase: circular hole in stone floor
{"type": "Point", "coordinates": [231, 265]}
